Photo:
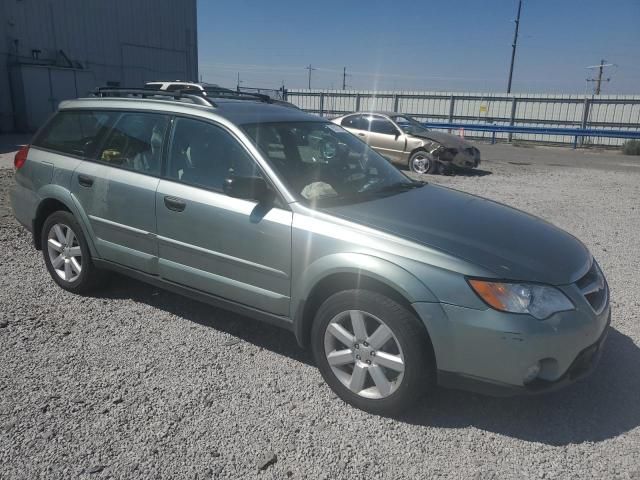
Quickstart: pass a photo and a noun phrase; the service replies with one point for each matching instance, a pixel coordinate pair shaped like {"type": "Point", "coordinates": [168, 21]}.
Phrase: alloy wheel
{"type": "Point", "coordinates": [64, 252]}
{"type": "Point", "coordinates": [420, 163]}
{"type": "Point", "coordinates": [364, 354]}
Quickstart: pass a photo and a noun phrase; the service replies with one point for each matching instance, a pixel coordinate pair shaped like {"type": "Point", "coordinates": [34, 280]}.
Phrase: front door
{"type": "Point", "coordinates": [385, 138]}
{"type": "Point", "coordinates": [225, 246]}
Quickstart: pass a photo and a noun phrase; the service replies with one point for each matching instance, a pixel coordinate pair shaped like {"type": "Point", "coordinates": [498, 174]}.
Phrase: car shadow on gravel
{"type": "Point", "coordinates": [244, 328]}
{"type": "Point", "coordinates": [600, 407]}
{"type": "Point", "coordinates": [467, 172]}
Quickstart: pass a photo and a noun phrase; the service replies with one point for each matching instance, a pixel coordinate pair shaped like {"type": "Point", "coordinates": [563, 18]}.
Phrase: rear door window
{"type": "Point", "coordinates": [353, 121]}
{"type": "Point", "coordinates": [75, 132]}
{"type": "Point", "coordinates": [135, 142]}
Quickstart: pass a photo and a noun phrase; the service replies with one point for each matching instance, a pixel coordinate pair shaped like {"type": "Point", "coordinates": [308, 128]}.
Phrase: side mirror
{"type": "Point", "coordinates": [248, 188]}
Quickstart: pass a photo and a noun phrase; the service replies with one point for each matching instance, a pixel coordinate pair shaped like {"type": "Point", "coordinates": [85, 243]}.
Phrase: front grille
{"type": "Point", "coordinates": [594, 288]}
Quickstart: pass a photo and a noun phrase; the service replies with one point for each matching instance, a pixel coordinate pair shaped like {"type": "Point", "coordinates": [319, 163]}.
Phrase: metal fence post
{"type": "Point", "coordinates": [395, 102]}
{"type": "Point", "coordinates": [357, 102]}
{"type": "Point", "coordinates": [452, 103]}
{"type": "Point", "coordinates": [322, 104]}
{"type": "Point", "coordinates": [512, 118]}
{"type": "Point", "coordinates": [585, 120]}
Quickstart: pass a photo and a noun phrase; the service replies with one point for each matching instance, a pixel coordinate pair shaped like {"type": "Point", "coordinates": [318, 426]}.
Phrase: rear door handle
{"type": "Point", "coordinates": [85, 180]}
{"type": "Point", "coordinates": [175, 204]}
{"type": "Point", "coordinates": [362, 134]}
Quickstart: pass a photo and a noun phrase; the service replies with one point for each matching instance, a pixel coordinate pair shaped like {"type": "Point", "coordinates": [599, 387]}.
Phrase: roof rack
{"type": "Point", "coordinates": [148, 92]}
{"type": "Point", "coordinates": [237, 95]}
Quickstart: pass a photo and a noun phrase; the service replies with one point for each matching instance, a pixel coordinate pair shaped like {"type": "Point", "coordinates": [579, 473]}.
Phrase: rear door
{"type": "Point", "coordinates": [117, 189]}
{"type": "Point", "coordinates": [356, 125]}
{"type": "Point", "coordinates": [232, 248]}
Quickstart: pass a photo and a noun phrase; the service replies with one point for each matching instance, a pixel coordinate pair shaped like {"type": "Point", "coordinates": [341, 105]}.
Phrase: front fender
{"type": "Point", "coordinates": [383, 271]}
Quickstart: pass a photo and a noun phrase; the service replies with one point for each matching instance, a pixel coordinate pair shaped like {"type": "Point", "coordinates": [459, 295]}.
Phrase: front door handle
{"type": "Point", "coordinates": [175, 204]}
{"type": "Point", "coordinates": [362, 134]}
{"type": "Point", "coordinates": [85, 180]}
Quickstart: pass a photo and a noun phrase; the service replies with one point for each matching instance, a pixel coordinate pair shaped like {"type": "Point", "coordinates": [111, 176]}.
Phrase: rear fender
{"type": "Point", "coordinates": [62, 195]}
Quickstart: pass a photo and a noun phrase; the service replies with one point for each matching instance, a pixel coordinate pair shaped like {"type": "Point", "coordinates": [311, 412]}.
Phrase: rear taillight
{"type": "Point", "coordinates": [21, 157]}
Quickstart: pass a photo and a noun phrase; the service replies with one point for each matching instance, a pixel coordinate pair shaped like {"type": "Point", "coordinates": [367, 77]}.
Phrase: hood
{"type": "Point", "coordinates": [512, 244]}
{"type": "Point", "coordinates": [445, 139]}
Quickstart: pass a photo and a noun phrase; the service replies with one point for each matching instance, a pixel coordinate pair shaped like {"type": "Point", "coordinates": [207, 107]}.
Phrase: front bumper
{"type": "Point", "coordinates": [491, 352]}
{"type": "Point", "coordinates": [468, 158]}
{"type": "Point", "coordinates": [581, 367]}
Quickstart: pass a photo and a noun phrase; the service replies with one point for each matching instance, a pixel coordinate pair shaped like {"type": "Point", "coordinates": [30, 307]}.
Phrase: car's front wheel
{"type": "Point", "coordinates": [66, 253]}
{"type": "Point", "coordinates": [372, 351]}
{"type": "Point", "coordinates": [423, 162]}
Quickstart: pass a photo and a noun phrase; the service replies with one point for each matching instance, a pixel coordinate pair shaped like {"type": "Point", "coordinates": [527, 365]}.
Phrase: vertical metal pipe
{"type": "Point", "coordinates": [585, 120]}
{"type": "Point", "coordinates": [452, 103]}
{"type": "Point", "coordinates": [512, 118]}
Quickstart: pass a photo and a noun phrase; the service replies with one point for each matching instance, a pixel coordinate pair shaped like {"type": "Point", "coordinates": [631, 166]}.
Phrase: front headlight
{"type": "Point", "coordinates": [540, 301]}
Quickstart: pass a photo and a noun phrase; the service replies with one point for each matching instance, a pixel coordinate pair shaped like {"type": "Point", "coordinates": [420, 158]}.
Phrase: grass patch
{"type": "Point", "coordinates": [631, 147]}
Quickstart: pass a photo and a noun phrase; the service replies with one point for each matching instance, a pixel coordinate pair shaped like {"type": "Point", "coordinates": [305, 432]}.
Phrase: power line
{"type": "Point", "coordinates": [514, 46]}
{"type": "Point", "coordinates": [310, 68]}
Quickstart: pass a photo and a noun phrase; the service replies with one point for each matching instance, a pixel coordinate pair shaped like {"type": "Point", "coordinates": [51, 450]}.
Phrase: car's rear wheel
{"type": "Point", "coordinates": [372, 351]}
{"type": "Point", "coordinates": [423, 162]}
{"type": "Point", "coordinates": [67, 254]}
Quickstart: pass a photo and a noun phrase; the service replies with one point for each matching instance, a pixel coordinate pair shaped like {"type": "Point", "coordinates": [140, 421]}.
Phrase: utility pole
{"type": "Point", "coordinates": [310, 68]}
{"type": "Point", "coordinates": [599, 80]}
{"type": "Point", "coordinates": [344, 78]}
{"type": "Point", "coordinates": [514, 45]}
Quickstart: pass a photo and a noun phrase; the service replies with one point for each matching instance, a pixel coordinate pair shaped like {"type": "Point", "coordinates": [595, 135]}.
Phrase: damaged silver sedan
{"type": "Point", "coordinates": [406, 142]}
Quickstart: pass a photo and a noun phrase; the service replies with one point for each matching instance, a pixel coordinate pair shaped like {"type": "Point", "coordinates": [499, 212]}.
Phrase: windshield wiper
{"type": "Point", "coordinates": [364, 196]}
{"type": "Point", "coordinates": [400, 187]}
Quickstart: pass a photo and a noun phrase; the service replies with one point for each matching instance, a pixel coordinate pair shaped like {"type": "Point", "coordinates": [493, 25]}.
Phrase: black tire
{"type": "Point", "coordinates": [90, 276]}
{"type": "Point", "coordinates": [419, 364]}
{"type": "Point", "coordinates": [422, 162]}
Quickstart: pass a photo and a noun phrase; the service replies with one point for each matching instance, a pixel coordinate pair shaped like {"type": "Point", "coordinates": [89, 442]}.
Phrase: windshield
{"type": "Point", "coordinates": [322, 163]}
{"type": "Point", "coordinates": [408, 124]}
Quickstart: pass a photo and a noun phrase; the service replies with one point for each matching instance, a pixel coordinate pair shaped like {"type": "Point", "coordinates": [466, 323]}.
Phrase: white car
{"type": "Point", "coordinates": [186, 87]}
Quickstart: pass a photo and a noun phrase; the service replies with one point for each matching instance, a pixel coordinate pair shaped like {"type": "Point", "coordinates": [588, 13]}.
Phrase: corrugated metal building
{"type": "Point", "coordinates": [51, 50]}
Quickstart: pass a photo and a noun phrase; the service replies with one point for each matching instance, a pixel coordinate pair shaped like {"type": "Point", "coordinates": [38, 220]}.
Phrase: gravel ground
{"type": "Point", "coordinates": [138, 383]}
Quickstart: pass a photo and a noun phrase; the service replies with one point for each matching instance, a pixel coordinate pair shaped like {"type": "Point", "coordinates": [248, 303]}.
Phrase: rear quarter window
{"type": "Point", "coordinates": [74, 132]}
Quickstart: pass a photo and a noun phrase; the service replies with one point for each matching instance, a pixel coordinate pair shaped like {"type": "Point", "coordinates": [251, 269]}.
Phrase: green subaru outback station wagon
{"type": "Point", "coordinates": [396, 285]}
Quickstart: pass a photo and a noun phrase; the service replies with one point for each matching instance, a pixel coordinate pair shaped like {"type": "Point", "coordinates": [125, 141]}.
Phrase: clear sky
{"type": "Point", "coordinates": [450, 45]}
